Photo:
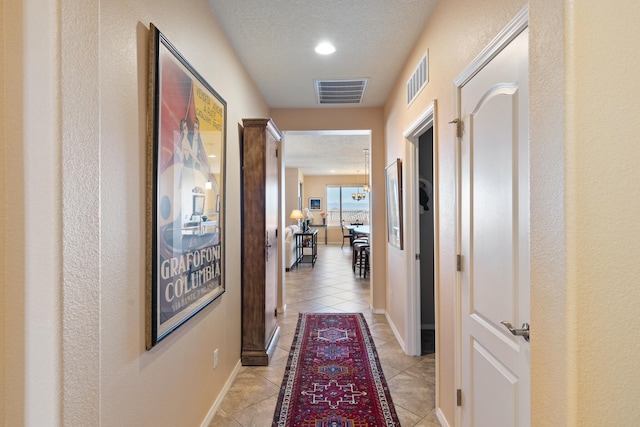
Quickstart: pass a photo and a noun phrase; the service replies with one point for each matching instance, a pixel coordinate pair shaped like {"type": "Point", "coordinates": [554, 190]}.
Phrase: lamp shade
{"type": "Point", "coordinates": [296, 214]}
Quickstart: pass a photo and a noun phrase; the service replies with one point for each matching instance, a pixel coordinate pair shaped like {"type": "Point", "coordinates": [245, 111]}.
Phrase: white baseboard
{"type": "Point", "coordinates": [441, 418]}
{"type": "Point", "coordinates": [223, 393]}
{"type": "Point", "coordinates": [439, 415]}
{"type": "Point", "coordinates": [377, 310]}
{"type": "Point", "coordinates": [403, 345]}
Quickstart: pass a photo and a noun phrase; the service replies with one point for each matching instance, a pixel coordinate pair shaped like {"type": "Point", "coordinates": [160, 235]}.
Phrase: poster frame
{"type": "Point", "coordinates": [185, 161]}
{"type": "Point", "coordinates": [393, 174]}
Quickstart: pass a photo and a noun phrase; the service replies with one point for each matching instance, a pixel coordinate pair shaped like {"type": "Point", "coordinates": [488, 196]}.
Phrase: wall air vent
{"type": "Point", "coordinates": [418, 79]}
{"type": "Point", "coordinates": [340, 91]}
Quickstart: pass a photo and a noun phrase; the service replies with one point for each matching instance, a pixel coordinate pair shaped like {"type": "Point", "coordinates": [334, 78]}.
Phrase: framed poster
{"type": "Point", "coordinates": [394, 203]}
{"type": "Point", "coordinates": [315, 203]}
{"type": "Point", "coordinates": [186, 148]}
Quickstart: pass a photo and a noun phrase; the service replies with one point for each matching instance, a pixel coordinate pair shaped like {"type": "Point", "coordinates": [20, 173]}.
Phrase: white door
{"type": "Point", "coordinates": [494, 209]}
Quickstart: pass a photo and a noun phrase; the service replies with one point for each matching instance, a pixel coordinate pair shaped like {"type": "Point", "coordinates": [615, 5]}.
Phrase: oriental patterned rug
{"type": "Point", "coordinates": [333, 376]}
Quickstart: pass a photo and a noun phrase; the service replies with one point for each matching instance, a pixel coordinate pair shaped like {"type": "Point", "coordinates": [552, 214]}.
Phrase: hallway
{"type": "Point", "coordinates": [331, 286]}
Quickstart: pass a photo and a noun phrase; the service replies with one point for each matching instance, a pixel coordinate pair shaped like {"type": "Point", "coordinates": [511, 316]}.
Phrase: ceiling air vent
{"type": "Point", "coordinates": [418, 79]}
{"type": "Point", "coordinates": [340, 91]}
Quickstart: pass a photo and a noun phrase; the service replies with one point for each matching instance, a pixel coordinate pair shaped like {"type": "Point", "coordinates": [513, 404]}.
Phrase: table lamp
{"type": "Point", "coordinates": [296, 214]}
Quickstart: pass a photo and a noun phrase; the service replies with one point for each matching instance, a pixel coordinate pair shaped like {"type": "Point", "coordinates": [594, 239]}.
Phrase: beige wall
{"type": "Point", "coordinates": [134, 379]}
{"type": "Point", "coordinates": [584, 227]}
{"type": "Point", "coordinates": [90, 108]}
{"type": "Point", "coordinates": [553, 349]}
{"type": "Point", "coordinates": [316, 186]}
{"type": "Point", "coordinates": [89, 208]}
{"type": "Point", "coordinates": [602, 233]}
{"type": "Point", "coordinates": [11, 238]}
{"type": "Point", "coordinates": [457, 31]}
{"type": "Point", "coordinates": [352, 119]}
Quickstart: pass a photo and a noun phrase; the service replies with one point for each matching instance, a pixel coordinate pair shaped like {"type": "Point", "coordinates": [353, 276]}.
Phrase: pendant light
{"type": "Point", "coordinates": [365, 187]}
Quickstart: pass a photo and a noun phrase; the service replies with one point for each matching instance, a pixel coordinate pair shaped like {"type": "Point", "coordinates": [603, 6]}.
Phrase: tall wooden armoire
{"type": "Point", "coordinates": [260, 139]}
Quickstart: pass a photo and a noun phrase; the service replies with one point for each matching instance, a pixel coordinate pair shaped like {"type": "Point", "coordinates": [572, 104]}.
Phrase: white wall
{"type": "Point", "coordinates": [291, 189]}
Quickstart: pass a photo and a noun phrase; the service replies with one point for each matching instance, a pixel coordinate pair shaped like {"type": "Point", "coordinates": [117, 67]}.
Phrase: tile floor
{"type": "Point", "coordinates": [331, 286]}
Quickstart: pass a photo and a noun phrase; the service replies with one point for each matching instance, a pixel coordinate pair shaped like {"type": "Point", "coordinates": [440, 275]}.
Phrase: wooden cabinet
{"type": "Point", "coordinates": [260, 194]}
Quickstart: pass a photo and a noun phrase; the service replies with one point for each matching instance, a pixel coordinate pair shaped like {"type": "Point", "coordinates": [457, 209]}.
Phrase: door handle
{"type": "Point", "coordinates": [524, 332]}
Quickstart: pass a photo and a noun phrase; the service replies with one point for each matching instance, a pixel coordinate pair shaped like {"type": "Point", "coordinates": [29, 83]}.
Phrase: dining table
{"type": "Point", "coordinates": [357, 230]}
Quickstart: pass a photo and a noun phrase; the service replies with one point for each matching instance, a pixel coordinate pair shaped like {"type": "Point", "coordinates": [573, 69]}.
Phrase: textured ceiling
{"type": "Point", "coordinates": [327, 153]}
{"type": "Point", "coordinates": [275, 40]}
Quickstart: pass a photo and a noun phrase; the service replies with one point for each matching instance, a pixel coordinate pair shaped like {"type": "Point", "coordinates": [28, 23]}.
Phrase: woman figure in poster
{"type": "Point", "coordinates": [186, 152]}
{"type": "Point", "coordinates": [201, 162]}
{"type": "Point", "coordinates": [187, 179]}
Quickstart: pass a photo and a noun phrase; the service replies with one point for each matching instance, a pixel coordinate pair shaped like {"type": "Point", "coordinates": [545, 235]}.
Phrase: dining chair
{"type": "Point", "coordinates": [358, 255]}
{"type": "Point", "coordinates": [355, 234]}
{"type": "Point", "coordinates": [346, 234]}
{"type": "Point", "coordinates": [364, 264]}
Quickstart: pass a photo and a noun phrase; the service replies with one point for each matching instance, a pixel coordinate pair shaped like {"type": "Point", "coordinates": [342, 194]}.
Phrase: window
{"type": "Point", "coordinates": [341, 205]}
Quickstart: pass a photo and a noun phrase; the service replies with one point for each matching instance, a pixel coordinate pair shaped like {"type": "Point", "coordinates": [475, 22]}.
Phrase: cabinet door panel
{"type": "Point", "coordinates": [260, 194]}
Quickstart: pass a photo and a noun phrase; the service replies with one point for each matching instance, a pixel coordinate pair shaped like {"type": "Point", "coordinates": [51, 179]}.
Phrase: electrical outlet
{"type": "Point", "coordinates": [215, 358]}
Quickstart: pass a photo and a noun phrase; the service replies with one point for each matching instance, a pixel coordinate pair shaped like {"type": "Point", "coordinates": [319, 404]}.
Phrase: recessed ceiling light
{"type": "Point", "coordinates": [325, 48]}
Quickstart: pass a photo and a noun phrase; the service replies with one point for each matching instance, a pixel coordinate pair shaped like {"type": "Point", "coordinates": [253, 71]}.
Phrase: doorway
{"type": "Point", "coordinates": [422, 242]}
{"type": "Point", "coordinates": [315, 162]}
{"type": "Point", "coordinates": [426, 222]}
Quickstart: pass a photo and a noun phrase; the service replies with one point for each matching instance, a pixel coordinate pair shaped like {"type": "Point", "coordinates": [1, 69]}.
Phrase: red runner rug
{"type": "Point", "coordinates": [333, 377]}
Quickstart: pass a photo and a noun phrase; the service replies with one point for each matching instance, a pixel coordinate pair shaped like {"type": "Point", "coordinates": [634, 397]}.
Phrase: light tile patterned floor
{"type": "Point", "coordinates": [331, 286]}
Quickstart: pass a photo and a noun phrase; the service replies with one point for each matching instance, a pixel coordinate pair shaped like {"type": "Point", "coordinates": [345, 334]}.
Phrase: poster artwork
{"type": "Point", "coordinates": [189, 155]}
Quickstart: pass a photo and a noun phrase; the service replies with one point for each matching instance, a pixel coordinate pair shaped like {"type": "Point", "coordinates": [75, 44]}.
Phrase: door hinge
{"type": "Point", "coordinates": [458, 262]}
{"type": "Point", "coordinates": [458, 124]}
{"type": "Point", "coordinates": [459, 397]}
{"type": "Point", "coordinates": [417, 257]}
{"type": "Point", "coordinates": [276, 152]}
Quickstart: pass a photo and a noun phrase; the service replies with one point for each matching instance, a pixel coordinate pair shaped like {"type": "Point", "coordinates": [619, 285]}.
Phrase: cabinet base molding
{"type": "Point", "coordinates": [261, 357]}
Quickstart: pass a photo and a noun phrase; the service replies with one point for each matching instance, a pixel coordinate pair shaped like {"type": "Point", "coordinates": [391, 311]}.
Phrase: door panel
{"type": "Point", "coordinates": [271, 225]}
{"type": "Point", "coordinates": [491, 244]}
{"type": "Point", "coordinates": [494, 194]}
{"type": "Point", "coordinates": [495, 388]}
